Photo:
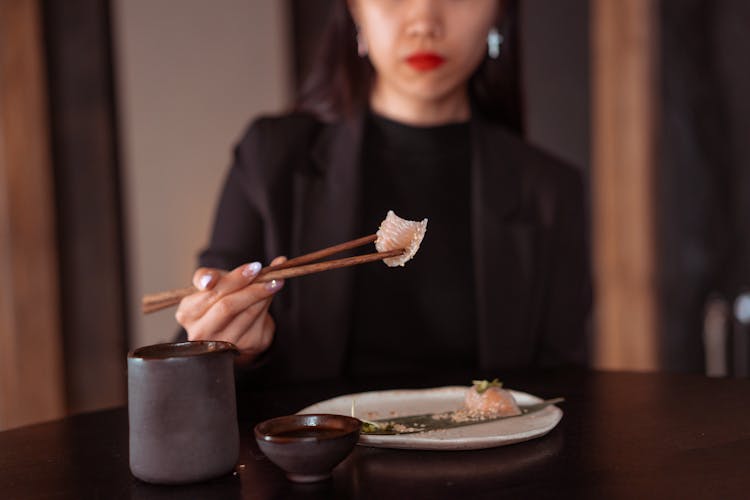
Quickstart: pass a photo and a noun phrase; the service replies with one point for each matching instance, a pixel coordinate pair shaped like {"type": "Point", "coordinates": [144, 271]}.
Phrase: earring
{"type": "Point", "coordinates": [361, 44]}
{"type": "Point", "coordinates": [494, 42]}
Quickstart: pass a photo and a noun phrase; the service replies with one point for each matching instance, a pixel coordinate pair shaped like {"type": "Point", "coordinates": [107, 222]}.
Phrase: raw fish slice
{"type": "Point", "coordinates": [395, 233]}
{"type": "Point", "coordinates": [489, 400]}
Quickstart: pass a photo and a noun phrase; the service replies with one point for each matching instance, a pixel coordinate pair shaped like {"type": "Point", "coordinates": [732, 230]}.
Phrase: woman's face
{"type": "Point", "coordinates": [424, 49]}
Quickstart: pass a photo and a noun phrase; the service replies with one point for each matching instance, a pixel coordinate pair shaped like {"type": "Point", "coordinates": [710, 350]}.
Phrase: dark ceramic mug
{"type": "Point", "coordinates": [182, 411]}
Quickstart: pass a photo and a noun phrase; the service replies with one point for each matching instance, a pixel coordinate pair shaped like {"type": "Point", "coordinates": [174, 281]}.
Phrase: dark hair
{"type": "Point", "coordinates": [340, 81]}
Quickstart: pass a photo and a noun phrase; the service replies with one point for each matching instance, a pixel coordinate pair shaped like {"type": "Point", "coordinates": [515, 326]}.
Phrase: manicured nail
{"type": "Point", "coordinates": [251, 269]}
{"type": "Point", "coordinates": [204, 281]}
{"type": "Point", "coordinates": [274, 285]}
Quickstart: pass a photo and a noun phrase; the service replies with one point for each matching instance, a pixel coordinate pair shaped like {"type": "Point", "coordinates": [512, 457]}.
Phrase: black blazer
{"type": "Point", "coordinates": [295, 187]}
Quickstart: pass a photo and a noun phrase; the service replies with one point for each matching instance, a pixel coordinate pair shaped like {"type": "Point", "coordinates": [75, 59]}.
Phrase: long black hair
{"type": "Point", "coordinates": [340, 81]}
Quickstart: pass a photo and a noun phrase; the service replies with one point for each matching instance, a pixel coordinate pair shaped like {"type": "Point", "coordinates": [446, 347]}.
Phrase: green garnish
{"type": "Point", "coordinates": [369, 427]}
{"type": "Point", "coordinates": [482, 385]}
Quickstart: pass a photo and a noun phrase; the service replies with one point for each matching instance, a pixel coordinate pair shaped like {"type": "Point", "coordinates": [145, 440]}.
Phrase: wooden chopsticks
{"type": "Point", "coordinates": [298, 266]}
{"type": "Point", "coordinates": [321, 254]}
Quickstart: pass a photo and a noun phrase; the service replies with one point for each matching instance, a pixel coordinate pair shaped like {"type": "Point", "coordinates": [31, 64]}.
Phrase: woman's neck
{"type": "Point", "coordinates": [421, 112]}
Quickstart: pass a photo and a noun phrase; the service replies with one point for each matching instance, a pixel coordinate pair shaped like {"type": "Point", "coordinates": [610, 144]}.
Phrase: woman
{"type": "Point", "coordinates": [409, 110]}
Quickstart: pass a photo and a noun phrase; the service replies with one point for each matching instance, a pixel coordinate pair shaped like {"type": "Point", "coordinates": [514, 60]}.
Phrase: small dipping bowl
{"type": "Point", "coordinates": [308, 447]}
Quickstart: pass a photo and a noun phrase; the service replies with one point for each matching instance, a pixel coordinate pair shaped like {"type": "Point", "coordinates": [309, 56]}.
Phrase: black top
{"type": "Point", "coordinates": [295, 186]}
{"type": "Point", "coordinates": [420, 317]}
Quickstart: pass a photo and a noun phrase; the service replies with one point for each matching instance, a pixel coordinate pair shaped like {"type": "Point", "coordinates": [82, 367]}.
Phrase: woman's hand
{"type": "Point", "coordinates": [230, 307]}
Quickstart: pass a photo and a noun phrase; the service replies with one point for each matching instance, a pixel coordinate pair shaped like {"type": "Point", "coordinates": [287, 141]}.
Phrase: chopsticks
{"type": "Point", "coordinates": [298, 266]}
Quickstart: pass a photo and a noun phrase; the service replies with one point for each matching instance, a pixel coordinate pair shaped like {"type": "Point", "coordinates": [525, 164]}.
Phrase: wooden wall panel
{"type": "Point", "coordinates": [31, 375]}
{"type": "Point", "coordinates": [83, 138]}
{"type": "Point", "coordinates": [624, 138]}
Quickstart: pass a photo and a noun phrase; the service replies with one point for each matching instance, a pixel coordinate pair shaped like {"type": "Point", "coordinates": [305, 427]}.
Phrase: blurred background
{"type": "Point", "coordinates": [118, 119]}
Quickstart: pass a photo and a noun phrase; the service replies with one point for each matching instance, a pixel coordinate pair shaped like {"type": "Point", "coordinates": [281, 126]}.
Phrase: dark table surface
{"type": "Point", "coordinates": [623, 435]}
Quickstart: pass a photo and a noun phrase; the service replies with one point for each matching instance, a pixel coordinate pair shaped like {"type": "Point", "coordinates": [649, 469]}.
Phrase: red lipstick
{"type": "Point", "coordinates": [425, 61]}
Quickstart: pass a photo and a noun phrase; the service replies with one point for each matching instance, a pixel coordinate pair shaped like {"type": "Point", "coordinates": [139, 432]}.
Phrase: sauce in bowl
{"type": "Point", "coordinates": [308, 447]}
{"type": "Point", "coordinates": [311, 431]}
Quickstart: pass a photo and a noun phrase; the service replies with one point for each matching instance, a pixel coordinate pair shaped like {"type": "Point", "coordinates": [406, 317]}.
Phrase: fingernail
{"type": "Point", "coordinates": [274, 285]}
{"type": "Point", "coordinates": [204, 281]}
{"type": "Point", "coordinates": [251, 269]}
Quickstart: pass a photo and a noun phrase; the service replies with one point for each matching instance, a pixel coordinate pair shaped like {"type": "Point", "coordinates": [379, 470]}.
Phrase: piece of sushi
{"type": "Point", "coordinates": [395, 233]}
{"type": "Point", "coordinates": [488, 399]}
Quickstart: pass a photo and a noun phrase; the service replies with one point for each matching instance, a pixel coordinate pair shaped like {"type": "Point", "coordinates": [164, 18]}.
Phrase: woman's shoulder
{"type": "Point", "coordinates": [274, 144]}
{"type": "Point", "coordinates": [281, 129]}
{"type": "Point", "coordinates": [538, 160]}
{"type": "Point", "coordinates": [536, 166]}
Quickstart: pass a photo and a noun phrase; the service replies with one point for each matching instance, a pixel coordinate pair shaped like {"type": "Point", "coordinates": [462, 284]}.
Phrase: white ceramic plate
{"type": "Point", "coordinates": [384, 404]}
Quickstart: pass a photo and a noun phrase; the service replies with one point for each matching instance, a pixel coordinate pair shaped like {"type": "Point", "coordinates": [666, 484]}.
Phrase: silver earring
{"type": "Point", "coordinates": [494, 42]}
{"type": "Point", "coordinates": [361, 45]}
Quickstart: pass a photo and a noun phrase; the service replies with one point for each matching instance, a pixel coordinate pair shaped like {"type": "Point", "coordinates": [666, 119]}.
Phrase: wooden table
{"type": "Point", "coordinates": [623, 435]}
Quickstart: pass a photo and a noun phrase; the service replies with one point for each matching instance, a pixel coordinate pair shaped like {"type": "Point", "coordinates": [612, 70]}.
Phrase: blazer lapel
{"type": "Point", "coordinates": [503, 250]}
{"type": "Point", "coordinates": [327, 201]}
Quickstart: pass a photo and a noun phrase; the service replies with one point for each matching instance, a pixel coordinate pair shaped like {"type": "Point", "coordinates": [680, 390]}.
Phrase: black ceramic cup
{"type": "Point", "coordinates": [182, 412]}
